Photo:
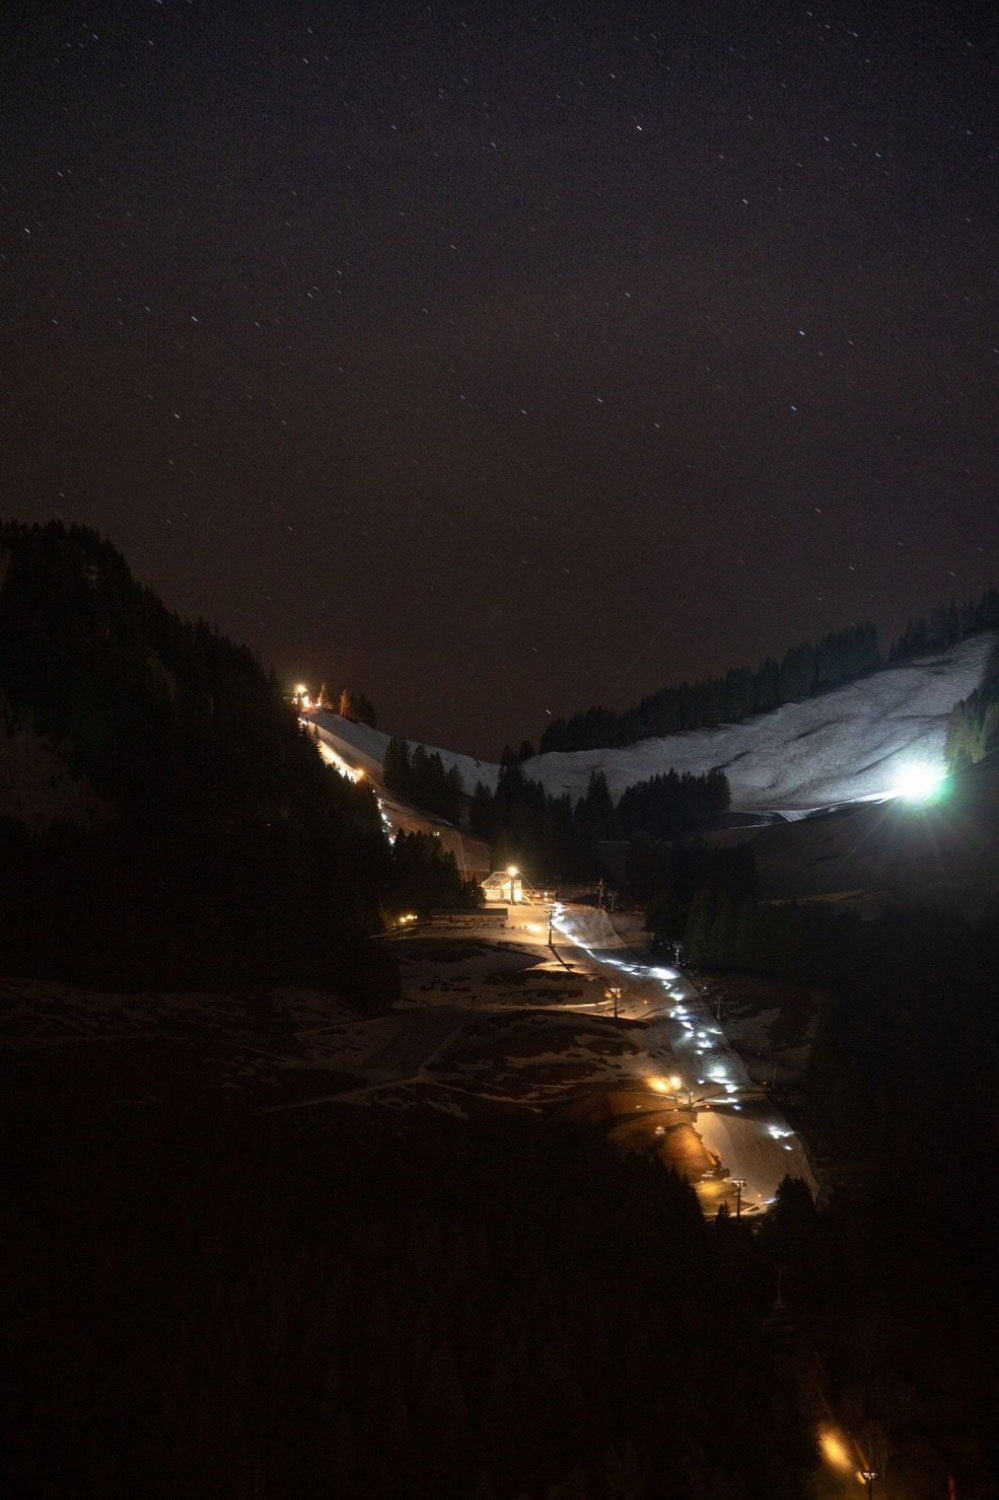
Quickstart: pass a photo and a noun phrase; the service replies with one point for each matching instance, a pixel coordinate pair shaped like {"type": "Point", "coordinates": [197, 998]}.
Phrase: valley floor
{"type": "Point", "coordinates": [486, 1021]}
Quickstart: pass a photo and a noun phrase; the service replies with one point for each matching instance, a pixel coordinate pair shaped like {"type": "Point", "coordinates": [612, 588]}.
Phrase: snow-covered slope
{"type": "Point", "coordinates": [362, 749]}
{"type": "Point", "coordinates": [847, 745]}
{"type": "Point", "coordinates": [365, 748]}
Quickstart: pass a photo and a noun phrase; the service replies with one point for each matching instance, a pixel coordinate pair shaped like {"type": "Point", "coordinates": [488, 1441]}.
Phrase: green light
{"type": "Point", "coordinates": [920, 784]}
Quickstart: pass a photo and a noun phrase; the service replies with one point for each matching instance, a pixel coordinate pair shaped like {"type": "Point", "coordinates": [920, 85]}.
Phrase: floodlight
{"type": "Point", "coordinates": [918, 782]}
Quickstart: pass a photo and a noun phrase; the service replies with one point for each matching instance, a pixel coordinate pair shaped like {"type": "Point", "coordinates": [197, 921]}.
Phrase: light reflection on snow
{"type": "Point", "coordinates": [736, 1122]}
{"type": "Point", "coordinates": [919, 781]}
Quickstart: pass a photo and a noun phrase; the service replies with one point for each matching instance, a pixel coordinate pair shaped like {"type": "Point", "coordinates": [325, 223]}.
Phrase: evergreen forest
{"type": "Point", "coordinates": [891, 1280]}
{"type": "Point", "coordinates": [804, 671]}
{"type": "Point", "coordinates": [364, 1307]}
{"type": "Point", "coordinates": [229, 855]}
{"type": "Point", "coordinates": [559, 840]}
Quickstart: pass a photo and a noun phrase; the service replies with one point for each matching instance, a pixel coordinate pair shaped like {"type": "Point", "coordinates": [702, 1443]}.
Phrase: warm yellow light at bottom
{"type": "Point", "coordinates": [834, 1450]}
{"type": "Point", "coordinates": [659, 1084]}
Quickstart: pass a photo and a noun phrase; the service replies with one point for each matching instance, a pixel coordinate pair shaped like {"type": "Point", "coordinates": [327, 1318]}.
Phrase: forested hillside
{"type": "Point", "coordinates": [361, 1310]}
{"type": "Point", "coordinates": [973, 727]}
{"type": "Point", "coordinates": [231, 855]}
{"type": "Point", "coordinates": [558, 839]}
{"type": "Point", "coordinates": [893, 1280]}
{"type": "Point", "coordinates": [804, 671]}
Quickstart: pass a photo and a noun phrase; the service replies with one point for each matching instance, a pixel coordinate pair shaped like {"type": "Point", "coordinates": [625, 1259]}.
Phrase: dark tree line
{"type": "Point", "coordinates": [231, 856]}
{"type": "Point", "coordinates": [892, 1282]}
{"type": "Point", "coordinates": [802, 672]}
{"type": "Point", "coordinates": [676, 879]}
{"type": "Point", "coordinates": [672, 806]}
{"type": "Point", "coordinates": [973, 725]}
{"type": "Point", "coordinates": [425, 876]}
{"type": "Point", "coordinates": [901, 1086]}
{"type": "Point", "coordinates": [558, 839]}
{"type": "Point", "coordinates": [349, 705]}
{"type": "Point", "coordinates": [419, 777]}
{"type": "Point", "coordinates": [187, 908]}
{"type": "Point", "coordinates": [201, 1303]}
{"type": "Point", "coordinates": [895, 1281]}
{"type": "Point", "coordinates": [947, 625]}
{"type": "Point", "coordinates": [707, 904]}
{"type": "Point", "coordinates": [168, 719]}
{"type": "Point", "coordinates": [554, 838]}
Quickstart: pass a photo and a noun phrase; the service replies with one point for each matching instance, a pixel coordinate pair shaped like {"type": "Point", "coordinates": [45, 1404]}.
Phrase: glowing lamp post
{"type": "Point", "coordinates": [513, 872]}
{"type": "Point", "coordinates": [614, 996]}
{"type": "Point", "coordinates": [738, 1183]}
{"type": "Point", "coordinates": [869, 1476]}
{"type": "Point", "coordinates": [678, 1086]}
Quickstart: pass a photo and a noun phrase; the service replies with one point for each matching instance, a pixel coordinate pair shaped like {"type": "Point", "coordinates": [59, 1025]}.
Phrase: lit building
{"type": "Point", "coordinates": [505, 885]}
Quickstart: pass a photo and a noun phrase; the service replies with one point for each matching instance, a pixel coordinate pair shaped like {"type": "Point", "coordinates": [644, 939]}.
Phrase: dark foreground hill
{"type": "Point", "coordinates": [216, 848]}
{"type": "Point", "coordinates": [204, 1304]}
{"type": "Point", "coordinates": [868, 855]}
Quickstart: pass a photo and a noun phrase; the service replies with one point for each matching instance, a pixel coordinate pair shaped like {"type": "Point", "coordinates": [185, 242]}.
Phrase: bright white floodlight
{"type": "Point", "coordinates": [918, 782]}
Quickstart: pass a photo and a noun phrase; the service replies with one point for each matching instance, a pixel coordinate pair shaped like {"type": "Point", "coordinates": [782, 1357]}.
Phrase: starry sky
{"type": "Point", "coordinates": [502, 359]}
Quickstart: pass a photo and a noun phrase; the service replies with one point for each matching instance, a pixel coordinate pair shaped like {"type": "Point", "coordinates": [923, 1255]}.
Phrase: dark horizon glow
{"type": "Point", "coordinates": [495, 363]}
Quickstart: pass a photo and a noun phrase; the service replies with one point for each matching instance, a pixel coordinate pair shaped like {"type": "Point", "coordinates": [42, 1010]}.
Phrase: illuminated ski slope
{"type": "Point", "coordinates": [856, 742]}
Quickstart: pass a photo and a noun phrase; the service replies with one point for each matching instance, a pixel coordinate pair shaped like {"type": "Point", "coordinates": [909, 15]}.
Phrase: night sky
{"type": "Point", "coordinates": [499, 359]}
